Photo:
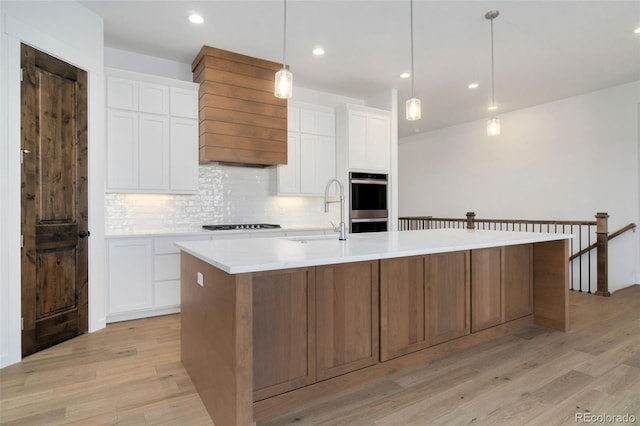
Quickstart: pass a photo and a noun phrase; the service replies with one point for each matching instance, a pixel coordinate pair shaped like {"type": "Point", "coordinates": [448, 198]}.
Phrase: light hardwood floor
{"type": "Point", "coordinates": [130, 373]}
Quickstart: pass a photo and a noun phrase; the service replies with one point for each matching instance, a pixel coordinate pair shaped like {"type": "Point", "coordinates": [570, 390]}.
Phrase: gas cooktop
{"type": "Point", "coordinates": [240, 226]}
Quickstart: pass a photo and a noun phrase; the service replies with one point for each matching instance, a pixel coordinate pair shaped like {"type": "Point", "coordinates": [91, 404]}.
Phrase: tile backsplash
{"type": "Point", "coordinates": [226, 194]}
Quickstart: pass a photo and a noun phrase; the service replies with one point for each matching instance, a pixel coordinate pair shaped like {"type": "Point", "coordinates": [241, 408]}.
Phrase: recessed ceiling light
{"type": "Point", "coordinates": [405, 75]}
{"type": "Point", "coordinates": [473, 86]}
{"type": "Point", "coordinates": [318, 51]}
{"type": "Point", "coordinates": [196, 18]}
{"type": "Point", "coordinates": [636, 31]}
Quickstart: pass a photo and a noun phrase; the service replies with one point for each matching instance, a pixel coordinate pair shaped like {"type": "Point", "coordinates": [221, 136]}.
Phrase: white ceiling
{"type": "Point", "coordinates": [544, 50]}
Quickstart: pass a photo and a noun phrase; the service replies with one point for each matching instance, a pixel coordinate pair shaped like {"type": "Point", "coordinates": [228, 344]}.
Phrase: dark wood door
{"type": "Point", "coordinates": [403, 307]}
{"type": "Point", "coordinates": [54, 201]}
{"type": "Point", "coordinates": [346, 317]}
{"type": "Point", "coordinates": [486, 288]}
{"type": "Point", "coordinates": [518, 281]}
{"type": "Point", "coordinates": [449, 304]}
{"type": "Point", "coordinates": [284, 326]}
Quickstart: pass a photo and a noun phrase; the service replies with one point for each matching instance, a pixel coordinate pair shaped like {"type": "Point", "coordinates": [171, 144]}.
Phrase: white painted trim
{"type": "Point", "coordinates": [143, 313]}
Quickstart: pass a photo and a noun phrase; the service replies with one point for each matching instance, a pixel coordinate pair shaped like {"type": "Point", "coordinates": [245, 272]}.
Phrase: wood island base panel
{"type": "Point", "coordinates": [264, 341]}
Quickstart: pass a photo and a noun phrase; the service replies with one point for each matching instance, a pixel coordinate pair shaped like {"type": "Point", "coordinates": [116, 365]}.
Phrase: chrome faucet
{"type": "Point", "coordinates": [342, 228]}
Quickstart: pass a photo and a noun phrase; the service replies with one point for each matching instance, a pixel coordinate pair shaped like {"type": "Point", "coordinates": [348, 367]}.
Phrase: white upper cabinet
{"type": "Point", "coordinates": [184, 102]}
{"type": "Point", "coordinates": [152, 134]}
{"type": "Point", "coordinates": [184, 154]}
{"type": "Point", "coordinates": [311, 150]}
{"type": "Point", "coordinates": [366, 132]}
{"type": "Point", "coordinates": [153, 98]}
{"type": "Point", "coordinates": [122, 93]}
{"type": "Point", "coordinates": [122, 149]}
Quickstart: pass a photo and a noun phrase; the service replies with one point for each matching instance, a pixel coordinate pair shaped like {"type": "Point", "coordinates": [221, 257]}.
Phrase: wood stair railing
{"type": "Point", "coordinates": [600, 225]}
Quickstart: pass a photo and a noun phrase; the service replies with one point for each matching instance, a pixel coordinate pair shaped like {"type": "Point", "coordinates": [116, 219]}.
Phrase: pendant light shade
{"type": "Point", "coordinates": [284, 78]}
{"type": "Point", "coordinates": [413, 109]}
{"type": "Point", "coordinates": [284, 83]}
{"type": "Point", "coordinates": [493, 124]}
{"type": "Point", "coordinates": [413, 106]}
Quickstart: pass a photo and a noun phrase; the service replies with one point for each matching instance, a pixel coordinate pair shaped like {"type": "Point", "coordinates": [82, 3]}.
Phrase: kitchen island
{"type": "Point", "coordinates": [269, 324]}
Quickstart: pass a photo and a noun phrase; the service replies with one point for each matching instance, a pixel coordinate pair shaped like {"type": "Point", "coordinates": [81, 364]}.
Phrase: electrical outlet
{"type": "Point", "coordinates": [200, 279]}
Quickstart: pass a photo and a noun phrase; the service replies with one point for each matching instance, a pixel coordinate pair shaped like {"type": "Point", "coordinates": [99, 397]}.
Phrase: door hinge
{"type": "Point", "coordinates": [21, 74]}
{"type": "Point", "coordinates": [22, 323]}
{"type": "Point", "coordinates": [22, 153]}
{"type": "Point", "coordinates": [21, 241]}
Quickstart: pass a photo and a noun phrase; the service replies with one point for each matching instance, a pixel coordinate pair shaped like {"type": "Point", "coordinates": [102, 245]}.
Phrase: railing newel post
{"type": "Point", "coordinates": [471, 220]}
{"type": "Point", "coordinates": [602, 269]}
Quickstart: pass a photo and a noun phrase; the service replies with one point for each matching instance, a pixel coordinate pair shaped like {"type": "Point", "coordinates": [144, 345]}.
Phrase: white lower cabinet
{"type": "Point", "coordinates": [129, 270]}
{"type": "Point", "coordinates": [143, 276]}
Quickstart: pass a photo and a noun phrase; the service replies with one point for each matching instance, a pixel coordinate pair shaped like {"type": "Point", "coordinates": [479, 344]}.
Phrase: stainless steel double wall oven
{"type": "Point", "coordinates": [368, 202]}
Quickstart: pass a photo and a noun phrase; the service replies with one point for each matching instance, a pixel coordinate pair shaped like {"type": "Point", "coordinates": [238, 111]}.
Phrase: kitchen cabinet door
{"type": "Point", "coordinates": [129, 272]}
{"type": "Point", "coordinates": [357, 140]}
{"type": "Point", "coordinates": [153, 98]}
{"type": "Point", "coordinates": [153, 152]}
{"type": "Point", "coordinates": [184, 155]}
{"type": "Point", "coordinates": [317, 163]}
{"type": "Point", "coordinates": [368, 138]}
{"type": "Point", "coordinates": [122, 93]}
{"type": "Point", "coordinates": [289, 174]}
{"type": "Point", "coordinates": [283, 331]}
{"type": "Point", "coordinates": [308, 164]}
{"type": "Point", "coordinates": [378, 142]}
{"type": "Point", "coordinates": [486, 288]}
{"type": "Point", "coordinates": [311, 151]}
{"type": "Point", "coordinates": [518, 281]}
{"type": "Point", "coordinates": [403, 307]}
{"type": "Point", "coordinates": [346, 317]}
{"type": "Point", "coordinates": [184, 102]}
{"type": "Point", "coordinates": [448, 285]}
{"type": "Point", "coordinates": [325, 164]}
{"type": "Point", "coordinates": [122, 149]}
{"type": "Point", "coordinates": [293, 118]}
{"type": "Point", "coordinates": [151, 143]}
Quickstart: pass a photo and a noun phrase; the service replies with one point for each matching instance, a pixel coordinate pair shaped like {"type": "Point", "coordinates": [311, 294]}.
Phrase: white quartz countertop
{"type": "Point", "coordinates": [267, 254]}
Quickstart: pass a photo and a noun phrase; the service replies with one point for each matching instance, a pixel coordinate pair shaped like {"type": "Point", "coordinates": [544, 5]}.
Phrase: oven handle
{"type": "Point", "coordinates": [369, 181]}
{"type": "Point", "coordinates": [379, 219]}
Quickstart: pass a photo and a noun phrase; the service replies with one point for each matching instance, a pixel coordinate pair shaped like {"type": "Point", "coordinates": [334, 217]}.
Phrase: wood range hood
{"type": "Point", "coordinates": [241, 121]}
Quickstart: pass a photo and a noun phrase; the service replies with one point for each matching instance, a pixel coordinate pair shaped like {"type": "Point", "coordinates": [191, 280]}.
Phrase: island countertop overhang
{"type": "Point", "coordinates": [235, 256]}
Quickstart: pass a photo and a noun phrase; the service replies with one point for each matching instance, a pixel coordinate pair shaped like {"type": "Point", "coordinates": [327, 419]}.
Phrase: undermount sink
{"type": "Point", "coordinates": [311, 238]}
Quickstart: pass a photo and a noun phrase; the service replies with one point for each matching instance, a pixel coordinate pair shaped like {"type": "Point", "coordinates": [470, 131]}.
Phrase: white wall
{"type": "Point", "coordinates": [562, 160]}
{"type": "Point", "coordinates": [69, 31]}
{"type": "Point", "coordinates": [125, 60]}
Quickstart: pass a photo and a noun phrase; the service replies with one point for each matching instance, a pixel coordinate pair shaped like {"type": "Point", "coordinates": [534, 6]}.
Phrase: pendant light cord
{"type": "Point", "coordinates": [284, 39]}
{"type": "Point", "coordinates": [412, 75]}
{"type": "Point", "coordinates": [493, 96]}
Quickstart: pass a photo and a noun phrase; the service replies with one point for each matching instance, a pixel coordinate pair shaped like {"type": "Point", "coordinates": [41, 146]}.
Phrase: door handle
{"type": "Point", "coordinates": [83, 234]}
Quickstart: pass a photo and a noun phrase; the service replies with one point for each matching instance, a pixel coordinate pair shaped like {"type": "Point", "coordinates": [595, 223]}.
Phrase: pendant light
{"type": "Point", "coordinates": [493, 124]}
{"type": "Point", "coordinates": [413, 105]}
{"type": "Point", "coordinates": [284, 79]}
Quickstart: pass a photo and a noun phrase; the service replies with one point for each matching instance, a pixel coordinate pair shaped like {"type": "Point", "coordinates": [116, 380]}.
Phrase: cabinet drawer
{"type": "Point", "coordinates": [166, 245]}
{"type": "Point", "coordinates": [166, 267]}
